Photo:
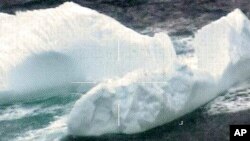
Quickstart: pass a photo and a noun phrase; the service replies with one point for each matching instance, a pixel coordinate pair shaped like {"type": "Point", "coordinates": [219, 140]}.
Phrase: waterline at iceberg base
{"type": "Point", "coordinates": [96, 78]}
{"type": "Point", "coordinates": [196, 126]}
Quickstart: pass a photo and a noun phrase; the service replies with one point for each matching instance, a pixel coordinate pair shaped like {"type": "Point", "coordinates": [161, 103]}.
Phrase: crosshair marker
{"type": "Point", "coordinates": [118, 114]}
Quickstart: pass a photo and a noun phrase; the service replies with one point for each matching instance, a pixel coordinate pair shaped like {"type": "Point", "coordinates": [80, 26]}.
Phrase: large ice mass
{"type": "Point", "coordinates": [140, 84]}
{"type": "Point", "coordinates": [223, 48]}
{"type": "Point", "coordinates": [46, 49]}
{"type": "Point", "coordinates": [145, 99]}
{"type": "Point", "coordinates": [139, 101]}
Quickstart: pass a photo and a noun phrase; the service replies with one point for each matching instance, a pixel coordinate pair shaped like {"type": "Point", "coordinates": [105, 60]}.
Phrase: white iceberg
{"type": "Point", "coordinates": [143, 100]}
{"type": "Point", "coordinates": [223, 48]}
{"type": "Point", "coordinates": [50, 48]}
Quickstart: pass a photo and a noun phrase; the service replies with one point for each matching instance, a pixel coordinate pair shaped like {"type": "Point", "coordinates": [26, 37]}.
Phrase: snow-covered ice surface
{"type": "Point", "coordinates": [67, 44]}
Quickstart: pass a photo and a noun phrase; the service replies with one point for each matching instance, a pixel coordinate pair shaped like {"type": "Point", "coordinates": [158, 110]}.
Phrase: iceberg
{"type": "Point", "coordinates": [144, 99]}
{"type": "Point", "coordinates": [139, 101]}
{"type": "Point", "coordinates": [45, 49]}
{"type": "Point", "coordinates": [223, 49]}
{"type": "Point", "coordinates": [140, 84]}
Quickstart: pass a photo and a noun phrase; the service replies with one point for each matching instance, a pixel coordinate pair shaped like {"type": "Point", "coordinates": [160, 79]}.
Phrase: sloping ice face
{"type": "Point", "coordinates": [47, 50]}
{"type": "Point", "coordinates": [143, 100]}
{"type": "Point", "coordinates": [223, 48]}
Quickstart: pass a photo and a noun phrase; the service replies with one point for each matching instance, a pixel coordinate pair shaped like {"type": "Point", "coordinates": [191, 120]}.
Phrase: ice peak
{"type": "Point", "coordinates": [77, 8]}
{"type": "Point", "coordinates": [237, 19]}
{"type": "Point", "coordinates": [223, 43]}
{"type": "Point", "coordinates": [236, 12]}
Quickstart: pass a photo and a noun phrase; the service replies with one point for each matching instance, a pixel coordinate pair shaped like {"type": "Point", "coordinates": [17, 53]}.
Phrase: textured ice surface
{"type": "Point", "coordinates": [223, 48]}
{"type": "Point", "coordinates": [50, 48]}
{"type": "Point", "coordinates": [139, 101]}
